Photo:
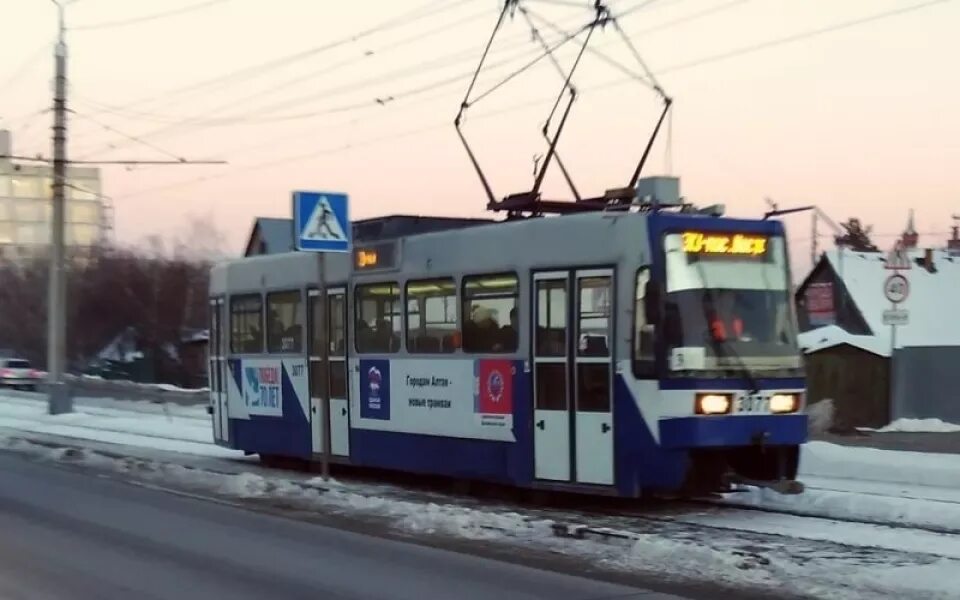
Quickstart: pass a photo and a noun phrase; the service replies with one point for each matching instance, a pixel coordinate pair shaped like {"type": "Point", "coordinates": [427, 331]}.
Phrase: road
{"type": "Point", "coordinates": [67, 534]}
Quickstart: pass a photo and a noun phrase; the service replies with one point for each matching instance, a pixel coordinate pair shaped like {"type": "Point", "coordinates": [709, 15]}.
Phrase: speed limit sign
{"type": "Point", "coordinates": [896, 288]}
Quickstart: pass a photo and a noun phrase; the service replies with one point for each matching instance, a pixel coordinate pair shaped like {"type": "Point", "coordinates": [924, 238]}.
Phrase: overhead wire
{"type": "Point", "coordinates": [198, 121]}
{"type": "Point", "coordinates": [127, 136]}
{"type": "Point", "coordinates": [419, 69]}
{"type": "Point", "coordinates": [605, 86]}
{"type": "Point", "coordinates": [152, 17]}
{"type": "Point", "coordinates": [405, 18]}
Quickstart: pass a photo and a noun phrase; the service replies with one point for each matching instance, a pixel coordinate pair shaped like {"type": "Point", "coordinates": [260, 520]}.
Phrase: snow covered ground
{"type": "Point", "coordinates": [917, 426]}
{"type": "Point", "coordinates": [804, 545]}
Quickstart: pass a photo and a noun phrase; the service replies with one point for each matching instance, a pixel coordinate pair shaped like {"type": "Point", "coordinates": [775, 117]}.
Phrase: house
{"type": "Point", "coordinates": [272, 236]}
{"type": "Point", "coordinates": [875, 372]}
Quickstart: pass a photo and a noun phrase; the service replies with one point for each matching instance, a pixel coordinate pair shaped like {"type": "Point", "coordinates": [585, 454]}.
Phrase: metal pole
{"type": "Point", "coordinates": [325, 364]}
{"type": "Point", "coordinates": [59, 400]}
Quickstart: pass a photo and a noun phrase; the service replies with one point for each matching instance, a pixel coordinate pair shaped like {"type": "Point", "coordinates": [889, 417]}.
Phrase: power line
{"type": "Point", "coordinates": [155, 16]}
{"type": "Point", "coordinates": [199, 122]}
{"type": "Point", "coordinates": [254, 70]}
{"type": "Point", "coordinates": [605, 86]}
{"type": "Point", "coordinates": [25, 66]}
{"type": "Point", "coordinates": [802, 36]}
{"type": "Point", "coordinates": [132, 138]}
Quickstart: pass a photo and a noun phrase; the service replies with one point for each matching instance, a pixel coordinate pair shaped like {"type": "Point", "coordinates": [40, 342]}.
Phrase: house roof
{"type": "Point", "coordinates": [275, 234]}
{"type": "Point", "coordinates": [933, 320]}
{"type": "Point", "coordinates": [833, 335]}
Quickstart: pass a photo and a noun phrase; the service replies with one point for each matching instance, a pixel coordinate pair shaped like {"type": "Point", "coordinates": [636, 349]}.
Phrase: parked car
{"type": "Point", "coordinates": [17, 373]}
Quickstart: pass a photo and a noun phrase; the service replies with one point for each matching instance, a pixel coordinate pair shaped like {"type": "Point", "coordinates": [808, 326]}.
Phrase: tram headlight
{"type": "Point", "coordinates": [784, 403]}
{"type": "Point", "coordinates": [713, 404]}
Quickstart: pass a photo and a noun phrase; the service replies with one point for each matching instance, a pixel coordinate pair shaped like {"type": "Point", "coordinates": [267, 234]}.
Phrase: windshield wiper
{"type": "Point", "coordinates": [747, 373]}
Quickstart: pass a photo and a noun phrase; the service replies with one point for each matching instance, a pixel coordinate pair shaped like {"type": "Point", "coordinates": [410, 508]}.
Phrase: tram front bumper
{"type": "Point", "coordinates": [733, 431]}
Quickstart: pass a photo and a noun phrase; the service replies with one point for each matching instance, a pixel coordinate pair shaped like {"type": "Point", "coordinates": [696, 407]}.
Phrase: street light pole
{"type": "Point", "coordinates": [59, 400]}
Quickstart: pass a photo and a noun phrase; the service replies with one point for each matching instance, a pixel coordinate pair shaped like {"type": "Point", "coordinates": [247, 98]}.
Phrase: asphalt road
{"type": "Point", "coordinates": [72, 535]}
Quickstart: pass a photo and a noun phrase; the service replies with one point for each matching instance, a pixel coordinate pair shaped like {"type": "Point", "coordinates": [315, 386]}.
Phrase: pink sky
{"type": "Point", "coordinates": [862, 121]}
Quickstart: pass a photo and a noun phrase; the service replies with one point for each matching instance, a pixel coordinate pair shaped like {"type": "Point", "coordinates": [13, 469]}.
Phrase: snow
{"type": "Point", "coordinates": [167, 432]}
{"type": "Point", "coordinates": [776, 554]}
{"type": "Point", "coordinates": [908, 500]}
{"type": "Point", "coordinates": [919, 426]}
{"type": "Point", "coordinates": [829, 336]}
{"type": "Point", "coordinates": [823, 459]}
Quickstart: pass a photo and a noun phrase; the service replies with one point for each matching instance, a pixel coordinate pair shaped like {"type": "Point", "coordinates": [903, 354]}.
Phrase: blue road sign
{"type": "Point", "coordinates": [321, 221]}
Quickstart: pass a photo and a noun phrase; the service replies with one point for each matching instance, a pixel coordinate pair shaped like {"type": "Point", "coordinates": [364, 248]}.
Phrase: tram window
{"type": "Point", "coordinates": [246, 324]}
{"type": "Point", "coordinates": [214, 336]}
{"type": "Point", "coordinates": [593, 387]}
{"type": "Point", "coordinates": [643, 328]}
{"type": "Point", "coordinates": [432, 316]}
{"type": "Point", "coordinates": [314, 306]}
{"type": "Point", "coordinates": [338, 379]}
{"type": "Point", "coordinates": [284, 322]}
{"type": "Point", "coordinates": [551, 317]}
{"type": "Point", "coordinates": [593, 319]}
{"type": "Point", "coordinates": [490, 322]}
{"type": "Point", "coordinates": [378, 318]}
{"type": "Point", "coordinates": [338, 325]}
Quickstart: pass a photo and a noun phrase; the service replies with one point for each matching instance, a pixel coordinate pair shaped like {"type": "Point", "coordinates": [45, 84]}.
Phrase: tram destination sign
{"type": "Point", "coordinates": [736, 246]}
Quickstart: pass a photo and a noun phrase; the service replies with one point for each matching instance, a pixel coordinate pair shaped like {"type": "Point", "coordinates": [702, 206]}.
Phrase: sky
{"type": "Point", "coordinates": [813, 102]}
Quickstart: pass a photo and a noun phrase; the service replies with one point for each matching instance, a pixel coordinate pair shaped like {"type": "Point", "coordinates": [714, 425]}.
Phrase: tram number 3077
{"type": "Point", "coordinates": [752, 404]}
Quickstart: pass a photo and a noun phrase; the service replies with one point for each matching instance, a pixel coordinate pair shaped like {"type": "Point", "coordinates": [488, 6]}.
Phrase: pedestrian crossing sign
{"type": "Point", "coordinates": [321, 221]}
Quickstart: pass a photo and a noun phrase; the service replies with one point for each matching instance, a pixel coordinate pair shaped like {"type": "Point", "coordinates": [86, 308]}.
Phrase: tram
{"type": "Point", "coordinates": [611, 352]}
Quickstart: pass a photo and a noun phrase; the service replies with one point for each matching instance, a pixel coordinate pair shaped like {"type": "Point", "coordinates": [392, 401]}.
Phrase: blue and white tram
{"type": "Point", "coordinates": [608, 352]}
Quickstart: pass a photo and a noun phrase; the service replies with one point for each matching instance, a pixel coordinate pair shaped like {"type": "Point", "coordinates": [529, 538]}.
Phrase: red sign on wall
{"type": "Point", "coordinates": [818, 298]}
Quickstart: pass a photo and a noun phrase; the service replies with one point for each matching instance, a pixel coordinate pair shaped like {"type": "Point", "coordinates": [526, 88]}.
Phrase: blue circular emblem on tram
{"type": "Point", "coordinates": [374, 380]}
{"type": "Point", "coordinates": [495, 386]}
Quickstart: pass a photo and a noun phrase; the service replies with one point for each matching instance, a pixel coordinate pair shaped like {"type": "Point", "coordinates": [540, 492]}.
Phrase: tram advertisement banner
{"type": "Point", "coordinates": [454, 398]}
{"type": "Point", "coordinates": [261, 387]}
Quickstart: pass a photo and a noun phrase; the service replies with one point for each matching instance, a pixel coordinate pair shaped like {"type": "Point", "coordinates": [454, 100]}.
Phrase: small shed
{"type": "Point", "coordinates": [876, 373]}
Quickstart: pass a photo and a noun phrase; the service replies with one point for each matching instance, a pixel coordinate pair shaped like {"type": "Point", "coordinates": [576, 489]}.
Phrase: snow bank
{"type": "Point", "coordinates": [920, 426]}
{"type": "Point", "coordinates": [717, 552]}
{"type": "Point", "coordinates": [870, 464]}
{"type": "Point", "coordinates": [183, 434]}
{"type": "Point", "coordinates": [820, 417]}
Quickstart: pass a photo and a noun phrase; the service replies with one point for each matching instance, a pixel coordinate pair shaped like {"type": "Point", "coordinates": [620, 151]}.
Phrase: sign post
{"type": "Point", "coordinates": [322, 224]}
{"type": "Point", "coordinates": [896, 289]}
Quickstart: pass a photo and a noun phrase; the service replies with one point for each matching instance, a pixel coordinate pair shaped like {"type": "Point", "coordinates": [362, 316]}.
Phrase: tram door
{"type": "Point", "coordinates": [573, 371]}
{"type": "Point", "coordinates": [328, 377]}
{"type": "Point", "coordinates": [218, 370]}
{"type": "Point", "coordinates": [551, 376]}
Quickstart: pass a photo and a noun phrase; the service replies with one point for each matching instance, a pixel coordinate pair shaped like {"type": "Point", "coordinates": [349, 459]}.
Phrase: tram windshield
{"type": "Point", "coordinates": [727, 307]}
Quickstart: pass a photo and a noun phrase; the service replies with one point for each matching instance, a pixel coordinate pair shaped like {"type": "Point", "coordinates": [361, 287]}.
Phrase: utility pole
{"type": "Point", "coordinates": [59, 399]}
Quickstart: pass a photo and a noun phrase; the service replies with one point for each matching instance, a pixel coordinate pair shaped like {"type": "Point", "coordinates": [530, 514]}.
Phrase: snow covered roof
{"type": "Point", "coordinates": [832, 335]}
{"type": "Point", "coordinates": [934, 321]}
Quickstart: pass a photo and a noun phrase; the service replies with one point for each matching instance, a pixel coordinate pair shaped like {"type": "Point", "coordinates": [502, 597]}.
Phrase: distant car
{"type": "Point", "coordinates": [17, 373]}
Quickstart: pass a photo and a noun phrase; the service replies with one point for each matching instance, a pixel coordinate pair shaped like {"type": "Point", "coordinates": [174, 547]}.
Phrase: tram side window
{"type": "Point", "coordinates": [432, 316]}
{"type": "Point", "coordinates": [378, 318]}
{"type": "Point", "coordinates": [644, 327]}
{"type": "Point", "coordinates": [490, 321]}
{"type": "Point", "coordinates": [246, 324]}
{"type": "Point", "coordinates": [284, 322]}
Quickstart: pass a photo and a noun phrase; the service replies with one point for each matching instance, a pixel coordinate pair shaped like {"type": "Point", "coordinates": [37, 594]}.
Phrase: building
{"type": "Point", "coordinates": [873, 372]}
{"type": "Point", "coordinates": [25, 206]}
{"type": "Point", "coordinates": [272, 236]}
